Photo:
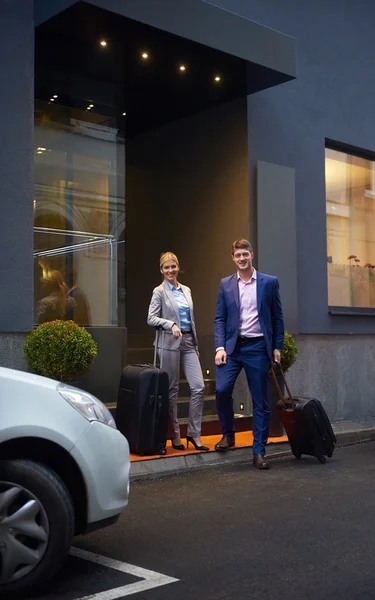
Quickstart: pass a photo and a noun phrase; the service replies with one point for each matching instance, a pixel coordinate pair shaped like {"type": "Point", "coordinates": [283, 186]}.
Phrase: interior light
{"type": "Point", "coordinates": [55, 96]}
{"type": "Point", "coordinates": [124, 114]}
{"type": "Point", "coordinates": [207, 371]}
{"type": "Point", "coordinates": [40, 152]}
{"type": "Point", "coordinates": [91, 106]}
{"type": "Point", "coordinates": [242, 406]}
{"type": "Point", "coordinates": [182, 68]}
{"type": "Point", "coordinates": [103, 43]}
{"type": "Point", "coordinates": [42, 149]}
{"type": "Point", "coordinates": [217, 78]}
{"type": "Point", "coordinates": [52, 99]}
{"type": "Point", "coordinates": [88, 108]}
{"type": "Point", "coordinates": [144, 55]}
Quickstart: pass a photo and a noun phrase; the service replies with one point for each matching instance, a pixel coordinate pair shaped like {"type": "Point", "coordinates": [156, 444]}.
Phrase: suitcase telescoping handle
{"type": "Point", "coordinates": [158, 330]}
{"type": "Point", "coordinates": [285, 383]}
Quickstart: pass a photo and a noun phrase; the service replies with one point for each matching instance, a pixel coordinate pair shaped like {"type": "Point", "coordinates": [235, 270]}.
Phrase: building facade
{"type": "Point", "coordinates": [130, 128]}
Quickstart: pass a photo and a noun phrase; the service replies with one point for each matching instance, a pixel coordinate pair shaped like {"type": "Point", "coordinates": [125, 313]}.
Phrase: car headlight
{"type": "Point", "coordinates": [89, 406]}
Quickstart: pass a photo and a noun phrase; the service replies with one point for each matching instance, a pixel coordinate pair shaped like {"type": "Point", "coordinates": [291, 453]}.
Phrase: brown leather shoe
{"type": "Point", "coordinates": [227, 441]}
{"type": "Point", "coordinates": [260, 462]}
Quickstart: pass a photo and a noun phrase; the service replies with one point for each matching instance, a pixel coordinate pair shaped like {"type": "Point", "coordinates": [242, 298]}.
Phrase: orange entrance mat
{"type": "Point", "coordinates": [243, 440]}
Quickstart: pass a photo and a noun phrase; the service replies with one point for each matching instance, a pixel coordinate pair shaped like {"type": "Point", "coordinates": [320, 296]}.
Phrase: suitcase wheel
{"type": "Point", "coordinates": [163, 451]}
{"type": "Point", "coordinates": [321, 459]}
{"type": "Point", "coordinates": [296, 453]}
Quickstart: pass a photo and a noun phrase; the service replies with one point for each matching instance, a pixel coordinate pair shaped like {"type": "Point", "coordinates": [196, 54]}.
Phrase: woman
{"type": "Point", "coordinates": [171, 308]}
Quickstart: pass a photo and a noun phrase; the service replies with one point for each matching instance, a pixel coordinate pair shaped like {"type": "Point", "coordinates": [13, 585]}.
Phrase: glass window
{"type": "Point", "coordinates": [79, 217]}
{"type": "Point", "coordinates": [350, 210]}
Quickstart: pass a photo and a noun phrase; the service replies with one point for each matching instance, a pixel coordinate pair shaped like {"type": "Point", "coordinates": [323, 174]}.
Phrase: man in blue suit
{"type": "Point", "coordinates": [249, 334]}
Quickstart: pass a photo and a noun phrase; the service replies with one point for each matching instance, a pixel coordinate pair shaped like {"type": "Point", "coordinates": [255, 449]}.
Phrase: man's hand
{"type": "Point", "coordinates": [277, 356]}
{"type": "Point", "coordinates": [176, 332]}
{"type": "Point", "coordinates": [220, 357]}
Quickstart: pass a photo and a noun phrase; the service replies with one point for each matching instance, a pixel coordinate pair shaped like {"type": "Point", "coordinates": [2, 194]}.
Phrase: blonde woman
{"type": "Point", "coordinates": [171, 308]}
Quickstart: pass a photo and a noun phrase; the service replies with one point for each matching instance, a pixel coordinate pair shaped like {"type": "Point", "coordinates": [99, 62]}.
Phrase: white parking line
{"type": "Point", "coordinates": [150, 579]}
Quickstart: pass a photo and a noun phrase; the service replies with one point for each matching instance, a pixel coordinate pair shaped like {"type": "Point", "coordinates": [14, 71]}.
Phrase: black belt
{"type": "Point", "coordinates": [249, 340]}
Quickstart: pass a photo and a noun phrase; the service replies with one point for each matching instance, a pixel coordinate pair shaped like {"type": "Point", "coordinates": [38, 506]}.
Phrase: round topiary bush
{"type": "Point", "coordinates": [60, 350]}
{"type": "Point", "coordinates": [289, 353]}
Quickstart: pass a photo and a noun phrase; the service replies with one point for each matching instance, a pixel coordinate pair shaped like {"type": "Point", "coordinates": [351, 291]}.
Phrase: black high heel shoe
{"type": "Point", "coordinates": [177, 446]}
{"type": "Point", "coordinates": [191, 440]}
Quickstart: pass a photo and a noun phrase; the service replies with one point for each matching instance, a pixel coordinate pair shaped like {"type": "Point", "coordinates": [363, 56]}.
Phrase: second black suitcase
{"type": "Point", "coordinates": [306, 424]}
{"type": "Point", "coordinates": [143, 407]}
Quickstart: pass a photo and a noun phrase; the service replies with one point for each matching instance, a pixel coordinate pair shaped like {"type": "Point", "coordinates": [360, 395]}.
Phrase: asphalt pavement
{"type": "Point", "coordinates": [301, 530]}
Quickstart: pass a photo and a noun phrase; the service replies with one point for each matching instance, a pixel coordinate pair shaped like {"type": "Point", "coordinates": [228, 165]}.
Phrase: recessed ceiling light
{"type": "Point", "coordinates": [42, 149]}
{"type": "Point", "coordinates": [55, 96]}
{"type": "Point", "coordinates": [88, 108]}
{"type": "Point", "coordinates": [217, 78]}
{"type": "Point", "coordinates": [144, 55]}
{"type": "Point", "coordinates": [182, 68]}
{"type": "Point", "coordinates": [103, 43]}
{"type": "Point", "coordinates": [124, 114]}
{"type": "Point", "coordinates": [52, 99]}
{"type": "Point", "coordinates": [91, 106]}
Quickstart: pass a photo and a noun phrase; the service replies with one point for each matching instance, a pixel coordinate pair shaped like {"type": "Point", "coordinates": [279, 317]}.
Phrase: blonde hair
{"type": "Point", "coordinates": [168, 256]}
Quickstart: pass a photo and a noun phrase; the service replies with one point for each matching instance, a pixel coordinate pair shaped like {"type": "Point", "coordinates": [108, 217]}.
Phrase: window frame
{"type": "Point", "coordinates": [347, 311]}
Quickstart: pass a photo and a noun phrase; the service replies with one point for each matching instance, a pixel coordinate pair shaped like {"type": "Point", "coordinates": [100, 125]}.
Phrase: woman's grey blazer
{"type": "Point", "coordinates": [163, 312]}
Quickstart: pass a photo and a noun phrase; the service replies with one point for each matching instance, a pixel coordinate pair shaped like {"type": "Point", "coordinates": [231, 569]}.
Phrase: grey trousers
{"type": "Point", "coordinates": [187, 357]}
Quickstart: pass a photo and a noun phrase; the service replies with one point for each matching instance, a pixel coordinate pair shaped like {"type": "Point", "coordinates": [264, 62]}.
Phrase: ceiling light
{"type": "Point", "coordinates": [91, 106]}
{"type": "Point", "coordinates": [217, 78]}
{"type": "Point", "coordinates": [182, 68]}
{"type": "Point", "coordinates": [52, 99]}
{"type": "Point", "coordinates": [103, 43]}
{"type": "Point", "coordinates": [39, 152]}
{"type": "Point", "coordinates": [55, 96]}
{"type": "Point", "coordinates": [124, 114]}
{"type": "Point", "coordinates": [145, 55]}
{"type": "Point", "coordinates": [42, 149]}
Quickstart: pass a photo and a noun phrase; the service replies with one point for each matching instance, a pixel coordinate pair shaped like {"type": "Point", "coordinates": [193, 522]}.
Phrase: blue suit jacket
{"type": "Point", "coordinates": [270, 313]}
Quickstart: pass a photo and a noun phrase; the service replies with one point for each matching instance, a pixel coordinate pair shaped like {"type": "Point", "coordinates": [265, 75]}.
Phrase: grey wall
{"type": "Point", "coordinates": [276, 224]}
{"type": "Point", "coordinates": [186, 191]}
{"type": "Point", "coordinates": [332, 97]}
{"type": "Point", "coordinates": [16, 164]}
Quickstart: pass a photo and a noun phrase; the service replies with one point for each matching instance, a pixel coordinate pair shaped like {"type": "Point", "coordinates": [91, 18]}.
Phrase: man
{"type": "Point", "coordinates": [249, 334]}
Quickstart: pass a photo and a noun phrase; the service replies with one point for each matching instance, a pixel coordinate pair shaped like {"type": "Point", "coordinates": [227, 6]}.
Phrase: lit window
{"type": "Point", "coordinates": [350, 213]}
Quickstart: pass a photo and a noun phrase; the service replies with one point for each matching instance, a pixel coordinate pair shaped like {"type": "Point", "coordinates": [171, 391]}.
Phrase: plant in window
{"type": "Point", "coordinates": [350, 258]}
{"type": "Point", "coordinates": [60, 350]}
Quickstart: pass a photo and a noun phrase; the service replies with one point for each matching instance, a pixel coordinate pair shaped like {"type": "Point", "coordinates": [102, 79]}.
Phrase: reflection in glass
{"type": "Point", "coordinates": [350, 211]}
{"type": "Point", "coordinates": [79, 220]}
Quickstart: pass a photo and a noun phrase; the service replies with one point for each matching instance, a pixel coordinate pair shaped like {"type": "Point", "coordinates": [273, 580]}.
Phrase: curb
{"type": "Point", "coordinates": [180, 465]}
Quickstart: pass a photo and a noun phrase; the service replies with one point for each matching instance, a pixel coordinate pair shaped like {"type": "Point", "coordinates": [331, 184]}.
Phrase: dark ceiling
{"type": "Point", "coordinates": [71, 63]}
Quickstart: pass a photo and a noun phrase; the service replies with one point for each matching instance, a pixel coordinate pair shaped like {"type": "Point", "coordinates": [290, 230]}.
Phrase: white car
{"type": "Point", "coordinates": [64, 470]}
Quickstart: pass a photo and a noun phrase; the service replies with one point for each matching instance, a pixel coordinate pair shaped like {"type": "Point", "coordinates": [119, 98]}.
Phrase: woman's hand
{"type": "Point", "coordinates": [176, 332]}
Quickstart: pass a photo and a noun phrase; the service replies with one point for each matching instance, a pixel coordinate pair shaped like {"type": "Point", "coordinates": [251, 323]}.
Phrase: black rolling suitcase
{"type": "Point", "coordinates": [306, 424]}
{"type": "Point", "coordinates": [143, 406]}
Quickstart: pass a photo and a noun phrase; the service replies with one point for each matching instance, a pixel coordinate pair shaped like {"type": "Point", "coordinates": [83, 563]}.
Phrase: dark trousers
{"type": "Point", "coordinates": [253, 357]}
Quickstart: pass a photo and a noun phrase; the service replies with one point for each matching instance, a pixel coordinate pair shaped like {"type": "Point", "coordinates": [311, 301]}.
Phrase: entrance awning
{"type": "Point", "coordinates": [269, 54]}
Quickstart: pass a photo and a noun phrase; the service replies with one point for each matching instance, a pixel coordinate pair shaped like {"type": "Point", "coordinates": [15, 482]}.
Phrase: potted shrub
{"type": "Point", "coordinates": [60, 350]}
{"type": "Point", "coordinates": [288, 358]}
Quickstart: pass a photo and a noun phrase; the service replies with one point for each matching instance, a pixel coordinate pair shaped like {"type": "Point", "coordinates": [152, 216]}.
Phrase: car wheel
{"type": "Point", "coordinates": [36, 525]}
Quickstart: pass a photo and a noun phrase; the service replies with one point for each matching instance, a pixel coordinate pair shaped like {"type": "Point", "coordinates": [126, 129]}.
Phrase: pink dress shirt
{"type": "Point", "coordinates": [249, 320]}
